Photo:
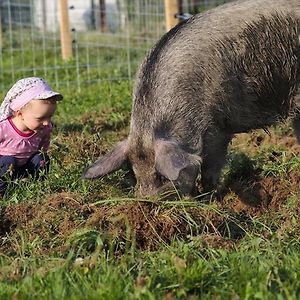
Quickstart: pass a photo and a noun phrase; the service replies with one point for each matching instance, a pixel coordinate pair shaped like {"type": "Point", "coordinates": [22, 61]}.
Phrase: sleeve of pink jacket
{"type": "Point", "coordinates": [1, 132]}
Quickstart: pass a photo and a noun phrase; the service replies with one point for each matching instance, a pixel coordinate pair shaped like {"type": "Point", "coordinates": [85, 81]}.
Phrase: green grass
{"type": "Point", "coordinates": [256, 269]}
{"type": "Point", "coordinates": [95, 58]}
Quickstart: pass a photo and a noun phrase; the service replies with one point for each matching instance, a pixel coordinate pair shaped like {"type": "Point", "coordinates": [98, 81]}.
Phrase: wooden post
{"type": "Point", "coordinates": [194, 8]}
{"type": "Point", "coordinates": [171, 9]}
{"type": "Point", "coordinates": [44, 15]}
{"type": "Point", "coordinates": [65, 33]}
{"type": "Point", "coordinates": [1, 37]}
{"type": "Point", "coordinates": [102, 17]}
{"type": "Point", "coordinates": [180, 7]}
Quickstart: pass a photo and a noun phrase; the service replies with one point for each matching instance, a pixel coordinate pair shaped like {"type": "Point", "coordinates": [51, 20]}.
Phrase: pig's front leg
{"type": "Point", "coordinates": [215, 144]}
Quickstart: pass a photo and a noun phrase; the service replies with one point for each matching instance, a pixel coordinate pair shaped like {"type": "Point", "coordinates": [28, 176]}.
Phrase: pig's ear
{"type": "Point", "coordinates": [170, 159]}
{"type": "Point", "coordinates": [112, 161]}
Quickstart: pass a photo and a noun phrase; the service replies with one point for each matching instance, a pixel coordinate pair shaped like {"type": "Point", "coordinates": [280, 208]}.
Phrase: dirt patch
{"type": "Point", "coordinates": [144, 224]}
{"type": "Point", "coordinates": [268, 193]}
{"type": "Point", "coordinates": [258, 140]}
{"type": "Point", "coordinates": [248, 194]}
{"type": "Point", "coordinates": [147, 225]}
{"type": "Point", "coordinates": [256, 191]}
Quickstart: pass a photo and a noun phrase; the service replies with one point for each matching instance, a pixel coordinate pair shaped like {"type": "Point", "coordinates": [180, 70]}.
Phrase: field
{"type": "Point", "coordinates": [66, 238]}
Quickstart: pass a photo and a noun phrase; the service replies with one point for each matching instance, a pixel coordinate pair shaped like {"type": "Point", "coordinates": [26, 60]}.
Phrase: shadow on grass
{"type": "Point", "coordinates": [124, 179]}
{"type": "Point", "coordinates": [236, 227]}
{"type": "Point", "coordinates": [70, 128]}
{"type": "Point", "coordinates": [5, 225]}
{"type": "Point", "coordinates": [243, 178]}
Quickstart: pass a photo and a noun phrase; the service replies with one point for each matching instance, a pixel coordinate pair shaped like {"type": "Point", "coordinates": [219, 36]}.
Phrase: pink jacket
{"type": "Point", "coordinates": [22, 145]}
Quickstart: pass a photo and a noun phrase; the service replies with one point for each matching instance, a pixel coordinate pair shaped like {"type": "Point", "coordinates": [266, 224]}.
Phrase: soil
{"type": "Point", "coordinates": [55, 221]}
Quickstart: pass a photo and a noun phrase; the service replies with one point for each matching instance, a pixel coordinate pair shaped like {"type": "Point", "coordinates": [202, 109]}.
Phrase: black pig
{"type": "Point", "coordinates": [230, 70]}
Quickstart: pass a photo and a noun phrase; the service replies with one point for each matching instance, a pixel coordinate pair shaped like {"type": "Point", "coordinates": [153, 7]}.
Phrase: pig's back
{"type": "Point", "coordinates": [180, 77]}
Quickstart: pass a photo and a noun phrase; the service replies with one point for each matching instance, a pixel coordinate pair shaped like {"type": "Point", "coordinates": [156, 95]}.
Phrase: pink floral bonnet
{"type": "Point", "coordinates": [22, 92]}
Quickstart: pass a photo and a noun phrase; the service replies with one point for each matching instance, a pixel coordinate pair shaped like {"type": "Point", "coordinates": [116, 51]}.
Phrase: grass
{"type": "Point", "coordinates": [65, 238]}
{"type": "Point", "coordinates": [257, 269]}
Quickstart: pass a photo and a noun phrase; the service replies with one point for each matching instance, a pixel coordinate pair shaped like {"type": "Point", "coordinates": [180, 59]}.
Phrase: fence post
{"type": "Point", "coordinates": [65, 33]}
{"type": "Point", "coordinates": [44, 15]}
{"type": "Point", "coordinates": [1, 37]}
{"type": "Point", "coordinates": [102, 11]}
{"type": "Point", "coordinates": [171, 9]}
{"type": "Point", "coordinates": [194, 7]}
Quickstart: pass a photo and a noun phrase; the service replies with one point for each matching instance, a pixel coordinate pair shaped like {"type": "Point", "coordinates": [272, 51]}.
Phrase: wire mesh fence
{"type": "Point", "coordinates": [109, 38]}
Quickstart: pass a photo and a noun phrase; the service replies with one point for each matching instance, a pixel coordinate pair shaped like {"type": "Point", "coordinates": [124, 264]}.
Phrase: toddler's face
{"type": "Point", "coordinates": [38, 113]}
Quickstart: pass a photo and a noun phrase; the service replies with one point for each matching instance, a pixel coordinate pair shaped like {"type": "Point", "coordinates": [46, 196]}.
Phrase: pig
{"type": "Point", "coordinates": [232, 69]}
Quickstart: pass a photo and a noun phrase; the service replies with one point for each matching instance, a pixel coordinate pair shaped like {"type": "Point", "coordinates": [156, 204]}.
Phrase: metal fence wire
{"type": "Point", "coordinates": [109, 38]}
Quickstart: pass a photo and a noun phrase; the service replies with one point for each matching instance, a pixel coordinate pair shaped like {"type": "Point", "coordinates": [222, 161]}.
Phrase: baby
{"type": "Point", "coordinates": [25, 129]}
